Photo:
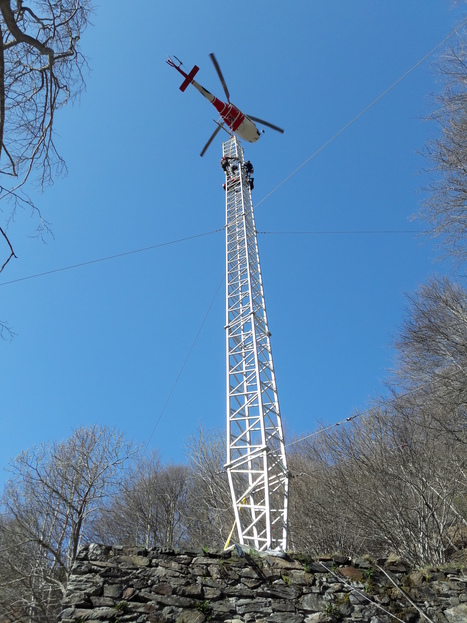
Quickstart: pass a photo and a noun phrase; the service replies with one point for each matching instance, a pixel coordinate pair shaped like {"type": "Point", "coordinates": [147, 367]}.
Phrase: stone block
{"type": "Point", "coordinates": [352, 573]}
{"type": "Point", "coordinates": [457, 614]}
{"type": "Point", "coordinates": [253, 605]}
{"type": "Point", "coordinates": [99, 614]}
{"type": "Point", "coordinates": [283, 563]}
{"type": "Point", "coordinates": [103, 564]}
{"type": "Point", "coordinates": [417, 578]}
{"type": "Point", "coordinates": [311, 603]}
{"type": "Point", "coordinates": [67, 613]}
{"type": "Point", "coordinates": [358, 598]}
{"type": "Point", "coordinates": [140, 608]}
{"type": "Point", "coordinates": [144, 596]}
{"type": "Point", "coordinates": [175, 600]}
{"type": "Point", "coordinates": [133, 561]}
{"type": "Point", "coordinates": [250, 572]}
{"type": "Point", "coordinates": [316, 567]}
{"type": "Point", "coordinates": [185, 559]}
{"type": "Point", "coordinates": [113, 590]}
{"type": "Point", "coordinates": [364, 563]}
{"type": "Point", "coordinates": [173, 565]}
{"type": "Point", "coordinates": [81, 568]}
{"type": "Point", "coordinates": [284, 617]}
{"type": "Point", "coordinates": [203, 560]}
{"type": "Point", "coordinates": [128, 593]}
{"type": "Point", "coordinates": [79, 599]}
{"type": "Point", "coordinates": [193, 616]}
{"type": "Point", "coordinates": [221, 608]}
{"type": "Point", "coordinates": [212, 593]}
{"type": "Point", "coordinates": [212, 583]}
{"type": "Point", "coordinates": [399, 568]}
{"type": "Point", "coordinates": [317, 617]}
{"type": "Point", "coordinates": [198, 570]}
{"type": "Point", "coordinates": [282, 605]}
{"type": "Point", "coordinates": [99, 602]}
{"type": "Point", "coordinates": [277, 591]}
{"type": "Point", "coordinates": [251, 583]}
{"type": "Point", "coordinates": [163, 588]}
{"type": "Point", "coordinates": [238, 591]}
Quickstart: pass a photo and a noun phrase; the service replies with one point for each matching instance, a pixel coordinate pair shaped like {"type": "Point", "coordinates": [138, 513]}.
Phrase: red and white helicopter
{"type": "Point", "coordinates": [243, 125]}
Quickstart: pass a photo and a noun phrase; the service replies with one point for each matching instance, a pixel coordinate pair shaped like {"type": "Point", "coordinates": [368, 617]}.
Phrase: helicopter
{"type": "Point", "coordinates": [241, 124]}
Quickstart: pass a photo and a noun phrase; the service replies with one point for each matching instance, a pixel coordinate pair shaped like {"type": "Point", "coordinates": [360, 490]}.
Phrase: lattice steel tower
{"type": "Point", "coordinates": [256, 461]}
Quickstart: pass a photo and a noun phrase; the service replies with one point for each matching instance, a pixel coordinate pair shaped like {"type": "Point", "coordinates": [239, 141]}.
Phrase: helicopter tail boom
{"type": "Point", "coordinates": [188, 77]}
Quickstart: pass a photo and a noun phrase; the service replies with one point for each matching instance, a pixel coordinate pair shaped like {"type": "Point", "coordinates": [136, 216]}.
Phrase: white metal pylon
{"type": "Point", "coordinates": [256, 460]}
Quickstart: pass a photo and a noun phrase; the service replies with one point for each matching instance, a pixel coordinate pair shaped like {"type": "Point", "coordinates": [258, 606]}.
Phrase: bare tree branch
{"type": "Point", "coordinates": [12, 253]}
{"type": "Point", "coordinates": [40, 71]}
{"type": "Point", "coordinates": [445, 209]}
{"type": "Point", "coordinates": [22, 37]}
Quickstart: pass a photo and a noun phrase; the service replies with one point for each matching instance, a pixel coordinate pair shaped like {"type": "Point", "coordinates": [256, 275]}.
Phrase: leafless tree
{"type": "Point", "coordinates": [149, 509]}
{"type": "Point", "coordinates": [382, 484]}
{"type": "Point", "coordinates": [395, 478]}
{"type": "Point", "coordinates": [211, 516]}
{"type": "Point", "coordinates": [319, 521]}
{"type": "Point", "coordinates": [47, 504]}
{"type": "Point", "coordinates": [173, 505]}
{"type": "Point", "coordinates": [41, 69]}
{"type": "Point", "coordinates": [445, 209]}
{"type": "Point", "coordinates": [431, 353]}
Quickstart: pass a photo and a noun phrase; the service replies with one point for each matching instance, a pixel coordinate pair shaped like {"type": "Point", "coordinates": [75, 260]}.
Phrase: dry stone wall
{"type": "Point", "coordinates": [128, 585]}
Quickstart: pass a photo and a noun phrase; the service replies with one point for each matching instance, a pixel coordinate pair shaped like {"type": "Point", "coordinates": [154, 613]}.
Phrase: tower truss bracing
{"type": "Point", "coordinates": [256, 461]}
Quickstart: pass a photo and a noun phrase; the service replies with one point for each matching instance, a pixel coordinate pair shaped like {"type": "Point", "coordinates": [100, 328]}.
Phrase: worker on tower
{"type": "Point", "coordinates": [249, 167]}
{"type": "Point", "coordinates": [249, 170]}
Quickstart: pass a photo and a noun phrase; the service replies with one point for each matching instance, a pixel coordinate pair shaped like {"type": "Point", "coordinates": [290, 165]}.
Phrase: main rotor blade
{"type": "Point", "coordinates": [270, 125]}
{"type": "Point", "coordinates": [213, 136]}
{"type": "Point", "coordinates": [221, 77]}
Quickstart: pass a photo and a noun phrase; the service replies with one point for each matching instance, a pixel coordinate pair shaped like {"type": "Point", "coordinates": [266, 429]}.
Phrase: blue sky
{"type": "Point", "coordinates": [106, 342]}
